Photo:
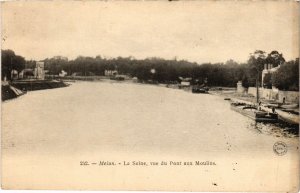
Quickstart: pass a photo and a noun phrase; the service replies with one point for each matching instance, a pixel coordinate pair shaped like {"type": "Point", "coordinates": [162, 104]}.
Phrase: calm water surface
{"type": "Point", "coordinates": [120, 115]}
{"type": "Point", "coordinates": [103, 120]}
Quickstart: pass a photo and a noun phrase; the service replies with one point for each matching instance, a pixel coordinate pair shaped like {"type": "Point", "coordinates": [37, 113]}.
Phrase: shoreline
{"type": "Point", "coordinates": [14, 89]}
{"type": "Point", "coordinates": [285, 115]}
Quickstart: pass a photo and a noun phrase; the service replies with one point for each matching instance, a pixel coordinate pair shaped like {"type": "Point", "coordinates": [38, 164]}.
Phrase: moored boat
{"type": "Point", "coordinates": [289, 106]}
{"type": "Point", "coordinates": [252, 112]}
{"type": "Point", "coordinates": [286, 115]}
{"type": "Point", "coordinates": [198, 89]}
{"type": "Point", "coordinates": [271, 105]}
{"type": "Point", "coordinates": [282, 106]}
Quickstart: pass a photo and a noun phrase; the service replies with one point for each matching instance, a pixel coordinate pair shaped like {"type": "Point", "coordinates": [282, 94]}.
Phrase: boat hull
{"type": "Point", "coordinates": [285, 116]}
{"type": "Point", "coordinates": [258, 116]}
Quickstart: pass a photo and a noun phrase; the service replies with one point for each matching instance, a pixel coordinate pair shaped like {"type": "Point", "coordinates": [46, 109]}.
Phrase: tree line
{"type": "Point", "coordinates": [168, 71]}
{"type": "Point", "coordinates": [9, 62]}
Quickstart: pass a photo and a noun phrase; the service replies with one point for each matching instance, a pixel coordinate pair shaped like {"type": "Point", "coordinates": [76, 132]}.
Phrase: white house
{"type": "Point", "coordinates": [39, 72]}
{"type": "Point", "coordinates": [110, 72]}
{"type": "Point", "coordinates": [185, 81]}
{"type": "Point", "coordinates": [62, 73]}
{"type": "Point", "coordinates": [268, 68]}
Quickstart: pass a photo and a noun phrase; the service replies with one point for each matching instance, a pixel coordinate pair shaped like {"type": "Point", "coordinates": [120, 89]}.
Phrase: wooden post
{"type": "Point", "coordinates": [257, 90]}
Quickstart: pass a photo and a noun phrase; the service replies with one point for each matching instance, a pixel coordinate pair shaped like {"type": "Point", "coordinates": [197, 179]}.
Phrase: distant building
{"type": "Point", "coordinates": [39, 72]}
{"type": "Point", "coordinates": [110, 72]}
{"type": "Point", "coordinates": [62, 73]}
{"type": "Point", "coordinates": [240, 88]}
{"type": "Point", "coordinates": [268, 68]}
{"type": "Point", "coordinates": [185, 81]}
{"type": "Point", "coordinates": [27, 73]}
{"type": "Point", "coordinates": [135, 79]}
{"type": "Point", "coordinates": [14, 74]}
{"type": "Point", "coordinates": [60, 58]}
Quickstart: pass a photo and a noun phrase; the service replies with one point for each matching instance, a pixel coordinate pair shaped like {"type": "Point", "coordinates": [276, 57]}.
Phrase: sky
{"type": "Point", "coordinates": [197, 31]}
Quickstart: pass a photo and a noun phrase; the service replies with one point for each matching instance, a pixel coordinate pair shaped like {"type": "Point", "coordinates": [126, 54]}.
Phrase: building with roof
{"type": "Point", "coordinates": [268, 69]}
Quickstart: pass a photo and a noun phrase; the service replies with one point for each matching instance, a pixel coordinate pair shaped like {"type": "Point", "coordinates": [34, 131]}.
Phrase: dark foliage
{"type": "Point", "coordinates": [168, 71]}
{"type": "Point", "coordinates": [10, 61]}
{"type": "Point", "coordinates": [287, 76]}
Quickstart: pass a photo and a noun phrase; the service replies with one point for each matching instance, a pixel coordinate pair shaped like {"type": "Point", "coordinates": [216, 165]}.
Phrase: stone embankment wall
{"type": "Point", "coordinates": [278, 95]}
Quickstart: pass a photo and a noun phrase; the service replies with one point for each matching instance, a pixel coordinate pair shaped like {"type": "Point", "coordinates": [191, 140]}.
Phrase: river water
{"type": "Point", "coordinates": [47, 133]}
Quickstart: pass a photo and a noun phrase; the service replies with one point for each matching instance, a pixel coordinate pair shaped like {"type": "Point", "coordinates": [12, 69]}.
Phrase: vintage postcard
{"type": "Point", "coordinates": [150, 95]}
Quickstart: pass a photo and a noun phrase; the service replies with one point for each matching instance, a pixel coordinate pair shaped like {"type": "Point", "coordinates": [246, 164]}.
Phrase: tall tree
{"type": "Point", "coordinates": [10, 61]}
{"type": "Point", "coordinates": [275, 58]}
{"type": "Point", "coordinates": [287, 76]}
{"type": "Point", "coordinates": [6, 63]}
{"type": "Point", "coordinates": [256, 63]}
{"type": "Point", "coordinates": [18, 63]}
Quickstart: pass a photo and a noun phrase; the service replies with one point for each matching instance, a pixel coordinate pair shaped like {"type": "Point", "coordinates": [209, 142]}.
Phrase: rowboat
{"type": "Point", "coordinates": [271, 105]}
{"type": "Point", "coordinates": [289, 106]}
{"type": "Point", "coordinates": [287, 115]}
{"type": "Point", "coordinates": [252, 112]}
{"type": "Point", "coordinates": [282, 106]}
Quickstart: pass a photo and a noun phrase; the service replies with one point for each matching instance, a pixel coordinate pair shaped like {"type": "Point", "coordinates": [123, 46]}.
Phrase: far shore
{"type": "Point", "coordinates": [226, 92]}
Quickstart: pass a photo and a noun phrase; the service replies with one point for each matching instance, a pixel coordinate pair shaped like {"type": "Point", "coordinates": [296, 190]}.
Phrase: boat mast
{"type": "Point", "coordinates": [257, 91]}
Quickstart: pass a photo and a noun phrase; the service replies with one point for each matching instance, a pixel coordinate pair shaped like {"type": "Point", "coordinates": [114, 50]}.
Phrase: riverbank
{"type": "Point", "coordinates": [14, 89]}
{"type": "Point", "coordinates": [232, 94]}
{"type": "Point", "coordinates": [9, 92]}
{"type": "Point", "coordinates": [287, 115]}
{"type": "Point", "coordinates": [30, 85]}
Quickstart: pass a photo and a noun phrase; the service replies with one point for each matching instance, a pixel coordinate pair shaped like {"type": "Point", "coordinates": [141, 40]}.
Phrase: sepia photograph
{"type": "Point", "coordinates": [150, 95]}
